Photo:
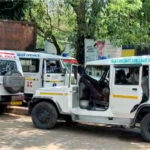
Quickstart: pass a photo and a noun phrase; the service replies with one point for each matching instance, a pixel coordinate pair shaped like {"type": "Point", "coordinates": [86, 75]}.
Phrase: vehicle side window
{"type": "Point", "coordinates": [127, 75]}
{"type": "Point", "coordinates": [97, 72]}
{"type": "Point", "coordinates": [30, 65]}
{"type": "Point", "coordinates": [6, 66]}
{"type": "Point", "coordinates": [53, 66]}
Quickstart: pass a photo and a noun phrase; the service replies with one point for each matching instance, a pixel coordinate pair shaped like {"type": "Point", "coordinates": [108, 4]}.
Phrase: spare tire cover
{"type": "Point", "coordinates": [13, 82]}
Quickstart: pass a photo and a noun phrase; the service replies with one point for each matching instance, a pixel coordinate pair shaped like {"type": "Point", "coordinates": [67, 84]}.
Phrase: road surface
{"type": "Point", "coordinates": [18, 133]}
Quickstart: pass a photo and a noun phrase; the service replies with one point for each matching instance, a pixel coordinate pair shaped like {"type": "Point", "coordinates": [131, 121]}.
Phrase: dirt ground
{"type": "Point", "coordinates": [18, 133]}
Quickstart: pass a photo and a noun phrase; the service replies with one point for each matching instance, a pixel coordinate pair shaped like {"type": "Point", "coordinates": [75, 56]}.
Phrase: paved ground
{"type": "Point", "coordinates": [17, 133]}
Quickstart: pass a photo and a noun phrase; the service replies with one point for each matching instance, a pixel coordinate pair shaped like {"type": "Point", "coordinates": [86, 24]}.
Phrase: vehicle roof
{"type": "Point", "coordinates": [122, 60]}
{"type": "Point", "coordinates": [25, 54]}
{"type": "Point", "coordinates": [8, 55]}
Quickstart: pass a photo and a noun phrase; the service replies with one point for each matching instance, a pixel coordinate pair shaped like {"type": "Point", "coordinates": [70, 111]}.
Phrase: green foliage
{"type": "Point", "coordinates": [61, 21]}
{"type": "Point", "coordinates": [125, 22]}
{"type": "Point", "coordinates": [14, 10]}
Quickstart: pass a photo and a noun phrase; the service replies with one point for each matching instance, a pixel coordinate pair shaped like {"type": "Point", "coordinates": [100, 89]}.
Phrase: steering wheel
{"type": "Point", "coordinates": [104, 83]}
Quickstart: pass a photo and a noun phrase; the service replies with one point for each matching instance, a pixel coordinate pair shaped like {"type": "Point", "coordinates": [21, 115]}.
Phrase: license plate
{"type": "Point", "coordinates": [16, 103]}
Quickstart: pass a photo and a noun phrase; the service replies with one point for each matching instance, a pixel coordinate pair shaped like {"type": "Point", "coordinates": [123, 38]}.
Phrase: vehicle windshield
{"type": "Point", "coordinates": [7, 66]}
{"type": "Point", "coordinates": [68, 63]}
{"type": "Point", "coordinates": [97, 72]}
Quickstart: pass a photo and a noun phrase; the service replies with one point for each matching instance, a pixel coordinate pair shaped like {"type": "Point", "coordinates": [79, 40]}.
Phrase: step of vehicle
{"type": "Point", "coordinates": [19, 110]}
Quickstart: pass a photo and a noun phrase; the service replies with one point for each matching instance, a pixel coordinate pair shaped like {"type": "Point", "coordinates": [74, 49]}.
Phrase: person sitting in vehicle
{"type": "Point", "coordinates": [133, 76]}
{"type": "Point", "coordinates": [52, 68]}
{"type": "Point", "coordinates": [120, 77]}
{"type": "Point", "coordinates": [145, 83]}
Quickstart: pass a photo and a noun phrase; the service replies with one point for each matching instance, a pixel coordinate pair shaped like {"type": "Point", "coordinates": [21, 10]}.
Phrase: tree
{"type": "Point", "coordinates": [13, 10]}
{"type": "Point", "coordinates": [126, 22]}
{"type": "Point", "coordinates": [86, 22]}
{"type": "Point", "coordinates": [50, 19]}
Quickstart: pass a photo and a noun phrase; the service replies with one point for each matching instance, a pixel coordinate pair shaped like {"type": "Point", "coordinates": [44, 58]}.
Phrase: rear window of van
{"type": "Point", "coordinates": [7, 66]}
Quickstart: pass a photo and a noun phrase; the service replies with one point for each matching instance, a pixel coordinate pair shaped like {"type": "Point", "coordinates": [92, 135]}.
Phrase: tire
{"type": "Point", "coordinates": [145, 128]}
{"type": "Point", "coordinates": [3, 109]}
{"type": "Point", "coordinates": [44, 115]}
{"type": "Point", "coordinates": [13, 82]}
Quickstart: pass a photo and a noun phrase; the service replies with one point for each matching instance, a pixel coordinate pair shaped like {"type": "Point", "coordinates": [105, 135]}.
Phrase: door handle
{"type": "Point", "coordinates": [48, 75]}
{"type": "Point", "coordinates": [134, 89]}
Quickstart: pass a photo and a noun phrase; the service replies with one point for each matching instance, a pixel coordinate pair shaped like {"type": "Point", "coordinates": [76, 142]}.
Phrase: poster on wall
{"type": "Point", "coordinates": [107, 50]}
{"type": "Point", "coordinates": [95, 50]}
{"type": "Point", "coordinates": [91, 53]}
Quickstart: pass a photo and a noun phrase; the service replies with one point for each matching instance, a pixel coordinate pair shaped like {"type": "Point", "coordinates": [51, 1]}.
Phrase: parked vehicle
{"type": "Point", "coordinates": [11, 80]}
{"type": "Point", "coordinates": [43, 70]}
{"type": "Point", "coordinates": [112, 91]}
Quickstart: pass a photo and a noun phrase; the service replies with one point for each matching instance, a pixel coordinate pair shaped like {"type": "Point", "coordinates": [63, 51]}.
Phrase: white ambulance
{"type": "Point", "coordinates": [111, 91]}
{"type": "Point", "coordinates": [11, 80]}
{"type": "Point", "coordinates": [43, 70]}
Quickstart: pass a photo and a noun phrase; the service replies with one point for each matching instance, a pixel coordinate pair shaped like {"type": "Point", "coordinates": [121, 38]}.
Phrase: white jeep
{"type": "Point", "coordinates": [111, 91]}
{"type": "Point", "coordinates": [11, 80]}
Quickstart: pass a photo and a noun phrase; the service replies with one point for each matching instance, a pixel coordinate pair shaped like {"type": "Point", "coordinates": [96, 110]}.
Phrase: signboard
{"type": "Point", "coordinates": [99, 49]}
{"type": "Point", "coordinates": [91, 53]}
{"type": "Point", "coordinates": [106, 49]}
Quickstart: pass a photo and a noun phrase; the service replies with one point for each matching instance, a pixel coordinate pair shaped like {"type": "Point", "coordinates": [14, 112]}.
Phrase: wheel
{"type": "Point", "coordinates": [145, 128]}
{"type": "Point", "coordinates": [3, 109]}
{"type": "Point", "coordinates": [44, 115]}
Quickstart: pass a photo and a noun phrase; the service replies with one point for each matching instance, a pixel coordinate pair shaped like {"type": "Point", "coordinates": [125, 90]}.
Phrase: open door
{"type": "Point", "coordinates": [126, 89]}
{"type": "Point", "coordinates": [73, 83]}
{"type": "Point", "coordinates": [53, 73]}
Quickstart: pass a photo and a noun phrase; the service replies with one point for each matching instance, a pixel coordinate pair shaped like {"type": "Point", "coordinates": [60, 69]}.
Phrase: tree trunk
{"type": "Point", "coordinates": [80, 11]}
{"type": "Point", "coordinates": [56, 44]}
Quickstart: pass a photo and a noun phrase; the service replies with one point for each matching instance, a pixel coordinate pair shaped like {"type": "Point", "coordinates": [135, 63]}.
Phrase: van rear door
{"type": "Point", "coordinates": [31, 70]}
{"type": "Point", "coordinates": [53, 73]}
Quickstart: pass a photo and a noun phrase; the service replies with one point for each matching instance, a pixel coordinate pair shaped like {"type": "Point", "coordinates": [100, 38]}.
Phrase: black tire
{"type": "Point", "coordinates": [3, 109]}
{"type": "Point", "coordinates": [145, 128]}
{"type": "Point", "coordinates": [44, 115]}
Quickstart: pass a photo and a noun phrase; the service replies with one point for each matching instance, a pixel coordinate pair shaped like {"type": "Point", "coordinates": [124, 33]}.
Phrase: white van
{"type": "Point", "coordinates": [43, 70]}
{"type": "Point", "coordinates": [11, 80]}
{"type": "Point", "coordinates": [111, 91]}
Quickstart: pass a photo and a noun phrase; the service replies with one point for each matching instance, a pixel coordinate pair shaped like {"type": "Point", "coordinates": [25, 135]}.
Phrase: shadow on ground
{"type": "Point", "coordinates": [19, 133]}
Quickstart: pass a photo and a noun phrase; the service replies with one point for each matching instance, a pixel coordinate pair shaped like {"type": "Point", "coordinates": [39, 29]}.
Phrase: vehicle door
{"type": "Point", "coordinates": [73, 83]}
{"type": "Point", "coordinates": [126, 90]}
{"type": "Point", "coordinates": [31, 70]}
{"type": "Point", "coordinates": [53, 73]}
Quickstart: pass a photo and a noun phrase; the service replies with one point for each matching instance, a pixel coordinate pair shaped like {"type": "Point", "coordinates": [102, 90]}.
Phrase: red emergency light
{"type": "Point", "coordinates": [71, 61]}
{"type": "Point", "coordinates": [7, 55]}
